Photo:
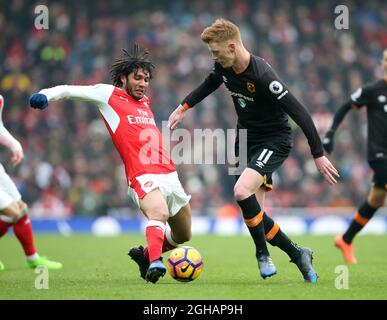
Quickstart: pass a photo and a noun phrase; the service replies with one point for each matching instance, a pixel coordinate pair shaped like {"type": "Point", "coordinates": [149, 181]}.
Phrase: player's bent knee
{"type": "Point", "coordinates": [183, 237]}
{"type": "Point", "coordinates": [186, 237]}
{"type": "Point", "coordinates": [376, 202]}
{"type": "Point", "coordinates": [12, 211]}
{"type": "Point", "coordinates": [11, 215]}
{"type": "Point", "coordinates": [23, 206]}
{"type": "Point", "coordinates": [376, 198]}
{"type": "Point", "coordinates": [181, 232]}
{"type": "Point", "coordinates": [241, 193]}
{"type": "Point", "coordinates": [157, 214]}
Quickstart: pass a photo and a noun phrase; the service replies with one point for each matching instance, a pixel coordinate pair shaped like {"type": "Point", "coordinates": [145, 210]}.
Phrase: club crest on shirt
{"type": "Point", "coordinates": [250, 87]}
{"type": "Point", "coordinates": [382, 98]}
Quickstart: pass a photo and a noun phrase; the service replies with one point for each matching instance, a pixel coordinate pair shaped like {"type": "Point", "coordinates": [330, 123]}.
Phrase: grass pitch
{"type": "Point", "coordinates": [99, 268]}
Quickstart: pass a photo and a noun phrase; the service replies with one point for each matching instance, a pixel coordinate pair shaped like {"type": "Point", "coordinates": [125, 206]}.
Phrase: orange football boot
{"type": "Point", "coordinates": [346, 249]}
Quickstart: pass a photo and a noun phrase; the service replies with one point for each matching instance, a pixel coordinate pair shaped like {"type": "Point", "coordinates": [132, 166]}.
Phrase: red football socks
{"type": "Point", "coordinates": [166, 247]}
{"type": "Point", "coordinates": [4, 226]}
{"type": "Point", "coordinates": [23, 231]}
{"type": "Point", "coordinates": [154, 233]}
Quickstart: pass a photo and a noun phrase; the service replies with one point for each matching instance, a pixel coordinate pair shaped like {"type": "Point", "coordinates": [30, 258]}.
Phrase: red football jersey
{"type": "Point", "coordinates": [131, 125]}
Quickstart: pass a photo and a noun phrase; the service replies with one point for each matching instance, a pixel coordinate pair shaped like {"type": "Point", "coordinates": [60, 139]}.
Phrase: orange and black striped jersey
{"type": "Point", "coordinates": [373, 96]}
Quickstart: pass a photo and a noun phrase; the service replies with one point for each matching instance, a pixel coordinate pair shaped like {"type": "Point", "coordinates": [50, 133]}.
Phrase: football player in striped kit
{"type": "Point", "coordinates": [373, 96]}
{"type": "Point", "coordinates": [262, 103]}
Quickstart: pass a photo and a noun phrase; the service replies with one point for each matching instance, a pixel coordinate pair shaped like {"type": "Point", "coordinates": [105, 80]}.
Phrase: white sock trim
{"type": "Point", "coordinates": [168, 235]}
{"type": "Point", "coordinates": [33, 257]}
{"type": "Point", "coordinates": [156, 223]}
{"type": "Point", "coordinates": [7, 219]}
{"type": "Point", "coordinates": [14, 220]}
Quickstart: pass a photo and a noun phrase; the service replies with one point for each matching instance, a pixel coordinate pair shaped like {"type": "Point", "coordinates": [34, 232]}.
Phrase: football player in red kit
{"type": "Point", "coordinates": [152, 179]}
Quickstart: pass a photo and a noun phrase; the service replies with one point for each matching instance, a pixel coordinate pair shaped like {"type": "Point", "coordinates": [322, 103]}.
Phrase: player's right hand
{"type": "Point", "coordinates": [176, 117]}
{"type": "Point", "coordinates": [326, 168]}
{"type": "Point", "coordinates": [328, 141]}
{"type": "Point", "coordinates": [38, 101]}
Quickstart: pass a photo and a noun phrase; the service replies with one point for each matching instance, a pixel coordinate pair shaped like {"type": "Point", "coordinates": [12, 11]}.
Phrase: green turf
{"type": "Point", "coordinates": [98, 268]}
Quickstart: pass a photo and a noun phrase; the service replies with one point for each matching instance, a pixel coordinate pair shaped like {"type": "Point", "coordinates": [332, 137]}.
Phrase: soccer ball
{"type": "Point", "coordinates": [185, 264]}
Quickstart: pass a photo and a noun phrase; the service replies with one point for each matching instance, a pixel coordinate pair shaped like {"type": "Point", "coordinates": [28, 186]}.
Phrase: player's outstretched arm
{"type": "Point", "coordinates": [279, 94]}
{"type": "Point", "coordinates": [98, 94]}
{"type": "Point", "coordinates": [326, 168]}
{"type": "Point", "coordinates": [301, 116]}
{"type": "Point", "coordinates": [337, 119]}
{"type": "Point", "coordinates": [209, 85]}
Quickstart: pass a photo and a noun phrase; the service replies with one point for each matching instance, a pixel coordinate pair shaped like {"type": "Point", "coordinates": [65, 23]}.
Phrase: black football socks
{"type": "Point", "coordinates": [361, 218]}
{"type": "Point", "coordinates": [277, 238]}
{"type": "Point", "coordinates": [253, 217]}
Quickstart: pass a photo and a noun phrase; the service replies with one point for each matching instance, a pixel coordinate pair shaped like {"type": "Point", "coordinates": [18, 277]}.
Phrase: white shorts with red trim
{"type": "Point", "coordinates": [8, 190]}
{"type": "Point", "coordinates": [169, 185]}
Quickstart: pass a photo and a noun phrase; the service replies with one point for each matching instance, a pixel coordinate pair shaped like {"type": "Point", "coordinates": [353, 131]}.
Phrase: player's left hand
{"type": "Point", "coordinates": [16, 156]}
{"type": "Point", "coordinates": [326, 168]}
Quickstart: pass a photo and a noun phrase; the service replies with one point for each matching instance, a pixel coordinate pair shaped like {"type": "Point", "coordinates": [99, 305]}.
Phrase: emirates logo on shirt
{"type": "Point", "coordinates": [143, 118]}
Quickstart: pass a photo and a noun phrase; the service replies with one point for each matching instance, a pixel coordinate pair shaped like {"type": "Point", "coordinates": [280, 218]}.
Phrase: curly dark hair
{"type": "Point", "coordinates": [131, 63]}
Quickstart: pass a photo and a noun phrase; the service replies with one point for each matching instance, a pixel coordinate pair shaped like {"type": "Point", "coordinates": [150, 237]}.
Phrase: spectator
{"type": "Point", "coordinates": [320, 64]}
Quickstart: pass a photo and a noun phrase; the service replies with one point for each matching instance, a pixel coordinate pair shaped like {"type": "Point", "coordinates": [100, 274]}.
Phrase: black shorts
{"type": "Point", "coordinates": [266, 157]}
{"type": "Point", "coordinates": [380, 173]}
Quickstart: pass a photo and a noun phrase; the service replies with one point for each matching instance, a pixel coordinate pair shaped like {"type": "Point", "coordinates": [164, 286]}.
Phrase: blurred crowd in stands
{"type": "Point", "coordinates": [71, 167]}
